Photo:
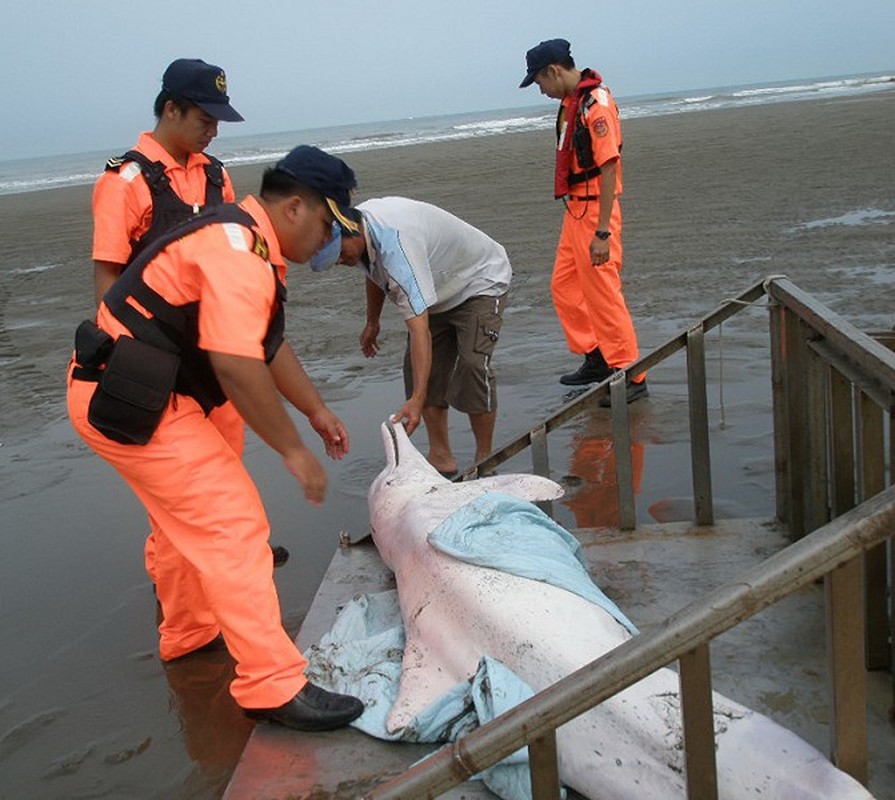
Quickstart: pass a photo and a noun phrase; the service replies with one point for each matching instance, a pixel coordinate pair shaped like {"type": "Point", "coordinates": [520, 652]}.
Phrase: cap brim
{"type": "Point", "coordinates": [342, 215]}
{"type": "Point", "coordinates": [328, 255]}
{"type": "Point", "coordinates": [528, 80]}
{"type": "Point", "coordinates": [223, 112]}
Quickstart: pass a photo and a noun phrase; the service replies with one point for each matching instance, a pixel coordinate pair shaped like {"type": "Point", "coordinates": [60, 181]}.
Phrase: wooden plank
{"type": "Point", "coordinates": [621, 445]}
{"type": "Point", "coordinates": [816, 491]}
{"type": "Point", "coordinates": [540, 462]}
{"type": "Point", "coordinates": [796, 355]}
{"type": "Point", "coordinates": [777, 316]}
{"type": "Point", "coordinates": [872, 470]}
{"type": "Point", "coordinates": [700, 452]}
{"type": "Point", "coordinates": [699, 724]}
{"type": "Point", "coordinates": [892, 546]}
{"type": "Point", "coordinates": [842, 442]}
{"type": "Point", "coordinates": [848, 681]}
{"type": "Point", "coordinates": [544, 768]}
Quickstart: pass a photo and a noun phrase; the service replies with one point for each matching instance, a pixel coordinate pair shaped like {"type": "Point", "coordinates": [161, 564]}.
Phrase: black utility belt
{"type": "Point", "coordinates": [133, 388]}
{"type": "Point", "coordinates": [583, 197]}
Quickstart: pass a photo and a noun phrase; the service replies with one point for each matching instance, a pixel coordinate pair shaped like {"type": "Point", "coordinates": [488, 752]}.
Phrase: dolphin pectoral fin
{"type": "Point", "coordinates": [527, 487]}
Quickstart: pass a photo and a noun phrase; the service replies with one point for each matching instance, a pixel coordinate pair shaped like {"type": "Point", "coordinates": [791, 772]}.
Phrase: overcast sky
{"type": "Point", "coordinates": [81, 75]}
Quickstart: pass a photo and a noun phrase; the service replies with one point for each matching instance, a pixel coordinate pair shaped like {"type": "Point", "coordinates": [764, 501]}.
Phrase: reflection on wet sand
{"type": "Point", "coordinates": [214, 728]}
{"type": "Point", "coordinates": [591, 484]}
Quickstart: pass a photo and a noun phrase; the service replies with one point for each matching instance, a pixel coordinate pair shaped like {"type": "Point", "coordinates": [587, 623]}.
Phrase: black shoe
{"type": "Point", "coordinates": [593, 370]}
{"type": "Point", "coordinates": [633, 391]}
{"type": "Point", "coordinates": [280, 555]}
{"type": "Point", "coordinates": [312, 709]}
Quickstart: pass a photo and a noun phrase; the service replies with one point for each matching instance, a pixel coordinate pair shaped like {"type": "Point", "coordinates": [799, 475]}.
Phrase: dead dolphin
{"type": "Point", "coordinates": [455, 612]}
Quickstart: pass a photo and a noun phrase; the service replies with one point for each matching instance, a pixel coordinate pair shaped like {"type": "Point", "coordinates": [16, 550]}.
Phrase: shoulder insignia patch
{"type": "Point", "coordinates": [260, 248]}
{"type": "Point", "coordinates": [116, 162]}
{"type": "Point", "coordinates": [601, 127]}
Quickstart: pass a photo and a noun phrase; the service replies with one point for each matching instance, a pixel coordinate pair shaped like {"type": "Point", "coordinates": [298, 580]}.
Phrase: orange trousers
{"type": "Point", "coordinates": [588, 299]}
{"type": "Point", "coordinates": [213, 564]}
{"type": "Point", "coordinates": [232, 427]}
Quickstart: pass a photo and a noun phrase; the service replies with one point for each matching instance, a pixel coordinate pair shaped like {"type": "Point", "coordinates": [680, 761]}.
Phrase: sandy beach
{"type": "Point", "coordinates": [714, 202]}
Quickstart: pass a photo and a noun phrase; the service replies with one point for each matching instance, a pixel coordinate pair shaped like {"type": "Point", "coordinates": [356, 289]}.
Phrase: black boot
{"type": "Point", "coordinates": [593, 370]}
{"type": "Point", "coordinates": [312, 709]}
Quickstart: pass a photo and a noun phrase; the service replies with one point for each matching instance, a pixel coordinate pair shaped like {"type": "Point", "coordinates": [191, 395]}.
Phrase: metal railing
{"type": "Point", "coordinates": [691, 340]}
{"type": "Point", "coordinates": [833, 390]}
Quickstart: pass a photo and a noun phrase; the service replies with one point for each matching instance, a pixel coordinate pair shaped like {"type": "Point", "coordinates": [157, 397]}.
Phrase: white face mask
{"type": "Point", "coordinates": [329, 254]}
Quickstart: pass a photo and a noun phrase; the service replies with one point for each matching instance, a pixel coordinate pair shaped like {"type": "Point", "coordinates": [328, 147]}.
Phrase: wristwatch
{"type": "Point", "coordinates": [604, 235]}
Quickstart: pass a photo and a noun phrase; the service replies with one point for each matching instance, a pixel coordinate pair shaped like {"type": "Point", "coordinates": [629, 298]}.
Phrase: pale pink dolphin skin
{"type": "Point", "coordinates": [629, 746]}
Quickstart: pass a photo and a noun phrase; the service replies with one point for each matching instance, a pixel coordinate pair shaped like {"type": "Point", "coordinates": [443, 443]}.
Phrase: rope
{"type": "Point", "coordinates": [734, 301]}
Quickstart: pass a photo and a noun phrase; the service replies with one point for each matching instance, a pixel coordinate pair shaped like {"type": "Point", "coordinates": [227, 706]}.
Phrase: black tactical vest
{"type": "Point", "coordinates": [167, 208]}
{"type": "Point", "coordinates": [176, 328]}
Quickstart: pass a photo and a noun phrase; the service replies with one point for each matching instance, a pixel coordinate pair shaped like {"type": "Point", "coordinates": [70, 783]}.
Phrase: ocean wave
{"type": "Point", "coordinates": [71, 170]}
{"type": "Point", "coordinates": [840, 84]}
{"type": "Point", "coordinates": [16, 186]}
{"type": "Point", "coordinates": [505, 125]}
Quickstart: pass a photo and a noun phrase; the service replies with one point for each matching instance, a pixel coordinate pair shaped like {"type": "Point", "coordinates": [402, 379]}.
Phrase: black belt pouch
{"type": "Point", "coordinates": [133, 391]}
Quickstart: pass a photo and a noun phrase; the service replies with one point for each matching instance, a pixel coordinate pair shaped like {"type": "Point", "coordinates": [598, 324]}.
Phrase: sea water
{"type": "Point", "coordinates": [26, 175]}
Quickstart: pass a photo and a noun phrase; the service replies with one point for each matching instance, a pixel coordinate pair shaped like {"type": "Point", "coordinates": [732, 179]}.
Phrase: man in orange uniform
{"type": "Point", "coordinates": [196, 320]}
{"type": "Point", "coordinates": [586, 283]}
{"type": "Point", "coordinates": [166, 178]}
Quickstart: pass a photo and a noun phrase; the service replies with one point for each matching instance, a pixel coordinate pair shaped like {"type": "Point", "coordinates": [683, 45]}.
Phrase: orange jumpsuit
{"type": "Point", "coordinates": [213, 564]}
{"type": "Point", "coordinates": [122, 213]}
{"type": "Point", "coordinates": [588, 299]}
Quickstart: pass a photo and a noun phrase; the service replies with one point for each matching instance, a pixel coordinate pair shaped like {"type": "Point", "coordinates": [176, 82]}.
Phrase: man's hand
{"type": "Point", "coordinates": [332, 431]}
{"type": "Point", "coordinates": [306, 469]}
{"type": "Point", "coordinates": [369, 339]}
{"type": "Point", "coordinates": [599, 248]}
{"type": "Point", "coordinates": [409, 415]}
{"type": "Point", "coordinates": [599, 251]}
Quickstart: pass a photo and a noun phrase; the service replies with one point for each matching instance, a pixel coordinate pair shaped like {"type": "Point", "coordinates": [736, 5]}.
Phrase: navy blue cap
{"type": "Point", "coordinates": [330, 176]}
{"type": "Point", "coordinates": [552, 51]}
{"type": "Point", "coordinates": [203, 84]}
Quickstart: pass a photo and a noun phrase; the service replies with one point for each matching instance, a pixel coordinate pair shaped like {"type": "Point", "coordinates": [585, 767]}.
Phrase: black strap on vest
{"type": "Point", "coordinates": [176, 328]}
{"type": "Point", "coordinates": [583, 143]}
{"type": "Point", "coordinates": [168, 209]}
{"type": "Point", "coordinates": [580, 177]}
{"type": "Point", "coordinates": [581, 138]}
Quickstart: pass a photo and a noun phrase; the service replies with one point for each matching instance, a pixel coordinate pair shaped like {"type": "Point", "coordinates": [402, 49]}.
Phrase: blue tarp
{"type": "Point", "coordinates": [362, 653]}
{"type": "Point", "coordinates": [503, 532]}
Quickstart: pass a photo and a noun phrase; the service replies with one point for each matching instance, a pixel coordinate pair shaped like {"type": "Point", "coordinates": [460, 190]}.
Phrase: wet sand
{"type": "Point", "coordinates": [714, 202]}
